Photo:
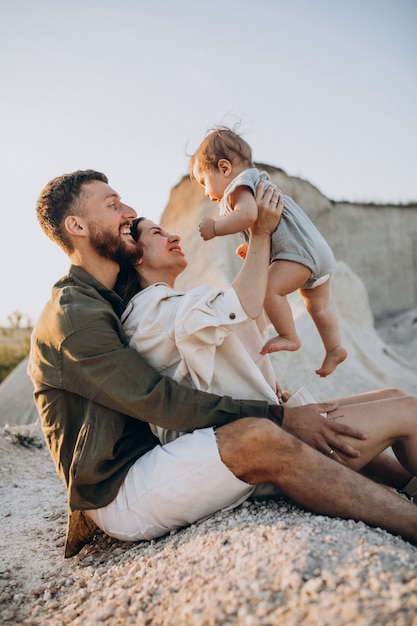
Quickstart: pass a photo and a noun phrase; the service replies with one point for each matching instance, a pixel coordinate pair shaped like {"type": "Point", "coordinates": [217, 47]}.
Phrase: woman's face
{"type": "Point", "coordinates": [162, 258]}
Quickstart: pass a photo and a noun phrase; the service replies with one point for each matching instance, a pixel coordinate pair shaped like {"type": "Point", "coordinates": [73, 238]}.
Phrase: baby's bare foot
{"type": "Point", "coordinates": [331, 361]}
{"type": "Point", "coordinates": [280, 342]}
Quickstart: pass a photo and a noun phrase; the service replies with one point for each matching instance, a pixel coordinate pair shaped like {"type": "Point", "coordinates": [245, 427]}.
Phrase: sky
{"type": "Point", "coordinates": [325, 90]}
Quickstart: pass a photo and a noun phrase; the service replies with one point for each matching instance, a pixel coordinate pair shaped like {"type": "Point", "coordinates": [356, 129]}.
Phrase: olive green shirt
{"type": "Point", "coordinates": [96, 397]}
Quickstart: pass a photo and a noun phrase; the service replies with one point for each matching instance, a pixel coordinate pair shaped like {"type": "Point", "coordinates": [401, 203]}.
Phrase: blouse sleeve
{"type": "Point", "coordinates": [204, 319]}
{"type": "Point", "coordinates": [208, 314]}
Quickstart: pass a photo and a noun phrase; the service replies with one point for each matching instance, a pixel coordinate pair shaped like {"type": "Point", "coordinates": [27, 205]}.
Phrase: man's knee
{"type": "Point", "coordinates": [256, 450]}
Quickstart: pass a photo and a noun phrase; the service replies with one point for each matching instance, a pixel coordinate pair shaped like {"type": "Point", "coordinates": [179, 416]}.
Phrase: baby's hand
{"type": "Point", "coordinates": [242, 250]}
{"type": "Point", "coordinates": [207, 228]}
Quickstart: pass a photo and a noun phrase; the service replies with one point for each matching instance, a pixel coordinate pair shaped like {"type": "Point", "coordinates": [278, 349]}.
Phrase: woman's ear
{"type": "Point", "coordinates": [75, 226]}
{"type": "Point", "coordinates": [225, 167]}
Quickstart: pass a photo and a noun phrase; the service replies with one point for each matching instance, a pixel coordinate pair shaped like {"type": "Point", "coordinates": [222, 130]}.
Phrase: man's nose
{"type": "Point", "coordinates": [127, 211]}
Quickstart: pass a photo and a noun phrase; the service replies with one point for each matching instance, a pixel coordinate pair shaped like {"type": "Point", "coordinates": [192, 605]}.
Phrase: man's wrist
{"type": "Point", "coordinates": [276, 413]}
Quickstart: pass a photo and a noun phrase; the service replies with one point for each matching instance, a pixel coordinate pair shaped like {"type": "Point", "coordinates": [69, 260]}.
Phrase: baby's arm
{"type": "Point", "coordinates": [244, 214]}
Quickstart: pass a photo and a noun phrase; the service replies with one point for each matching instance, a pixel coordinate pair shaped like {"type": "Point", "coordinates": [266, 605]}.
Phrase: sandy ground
{"type": "Point", "coordinates": [266, 563]}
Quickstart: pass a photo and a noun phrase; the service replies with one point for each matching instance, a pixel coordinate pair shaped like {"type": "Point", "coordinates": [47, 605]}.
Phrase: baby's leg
{"type": "Point", "coordinates": [317, 303]}
{"type": "Point", "coordinates": [284, 278]}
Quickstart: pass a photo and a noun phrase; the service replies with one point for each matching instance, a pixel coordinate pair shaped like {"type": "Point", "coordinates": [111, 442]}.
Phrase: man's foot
{"type": "Point", "coordinates": [331, 361]}
{"type": "Point", "coordinates": [280, 342]}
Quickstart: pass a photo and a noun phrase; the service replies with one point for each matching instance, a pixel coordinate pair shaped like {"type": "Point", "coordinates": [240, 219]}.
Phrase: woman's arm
{"type": "Point", "coordinates": [250, 284]}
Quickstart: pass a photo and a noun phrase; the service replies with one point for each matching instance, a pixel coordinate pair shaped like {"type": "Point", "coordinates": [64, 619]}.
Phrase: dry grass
{"type": "Point", "coordinates": [15, 338]}
{"type": "Point", "coordinates": [14, 346]}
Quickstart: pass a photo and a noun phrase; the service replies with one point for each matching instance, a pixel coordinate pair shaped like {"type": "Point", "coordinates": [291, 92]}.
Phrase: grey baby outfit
{"type": "Point", "coordinates": [295, 238]}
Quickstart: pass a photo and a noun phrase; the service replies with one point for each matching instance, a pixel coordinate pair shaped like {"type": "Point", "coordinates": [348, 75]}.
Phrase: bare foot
{"type": "Point", "coordinates": [280, 342]}
{"type": "Point", "coordinates": [331, 361]}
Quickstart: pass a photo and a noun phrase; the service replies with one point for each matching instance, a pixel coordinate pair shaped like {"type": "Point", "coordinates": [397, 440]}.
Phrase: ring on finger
{"type": "Point", "coordinates": [330, 452]}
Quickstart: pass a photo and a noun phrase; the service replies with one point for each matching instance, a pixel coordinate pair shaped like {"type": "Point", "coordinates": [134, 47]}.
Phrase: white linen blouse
{"type": "Point", "coordinates": [202, 338]}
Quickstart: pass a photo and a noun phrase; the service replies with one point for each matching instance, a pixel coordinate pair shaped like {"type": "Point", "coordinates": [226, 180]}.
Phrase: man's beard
{"type": "Point", "coordinates": [112, 247]}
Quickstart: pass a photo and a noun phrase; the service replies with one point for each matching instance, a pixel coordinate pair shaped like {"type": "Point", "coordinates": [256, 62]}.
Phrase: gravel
{"type": "Point", "coordinates": [266, 563]}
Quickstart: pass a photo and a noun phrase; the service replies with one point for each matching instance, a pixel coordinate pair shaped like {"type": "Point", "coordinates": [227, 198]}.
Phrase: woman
{"type": "Point", "coordinates": [212, 340]}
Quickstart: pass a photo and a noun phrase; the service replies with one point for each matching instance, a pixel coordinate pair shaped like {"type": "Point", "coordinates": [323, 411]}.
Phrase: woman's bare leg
{"type": "Point", "coordinates": [385, 468]}
{"type": "Point", "coordinates": [370, 396]}
{"type": "Point", "coordinates": [388, 422]}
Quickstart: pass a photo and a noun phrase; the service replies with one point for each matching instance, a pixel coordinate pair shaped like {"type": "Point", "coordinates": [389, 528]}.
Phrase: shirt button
{"type": "Point", "coordinates": [232, 316]}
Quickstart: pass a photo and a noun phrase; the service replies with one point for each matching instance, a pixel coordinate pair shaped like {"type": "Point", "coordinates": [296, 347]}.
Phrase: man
{"type": "Point", "coordinates": [96, 398]}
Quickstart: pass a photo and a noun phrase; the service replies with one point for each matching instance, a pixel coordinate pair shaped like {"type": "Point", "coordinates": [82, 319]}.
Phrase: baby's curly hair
{"type": "Point", "coordinates": [220, 142]}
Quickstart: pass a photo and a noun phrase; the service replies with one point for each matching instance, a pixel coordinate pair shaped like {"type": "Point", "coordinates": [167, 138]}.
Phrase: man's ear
{"type": "Point", "coordinates": [225, 167]}
{"type": "Point", "coordinates": [75, 226]}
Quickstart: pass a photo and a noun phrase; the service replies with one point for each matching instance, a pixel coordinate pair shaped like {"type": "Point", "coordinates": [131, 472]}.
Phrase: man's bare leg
{"type": "Point", "coordinates": [256, 450]}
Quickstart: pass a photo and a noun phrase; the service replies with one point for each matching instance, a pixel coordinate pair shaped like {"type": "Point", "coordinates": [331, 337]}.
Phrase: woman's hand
{"type": "Point", "coordinates": [307, 423]}
{"type": "Point", "coordinates": [242, 250]}
{"type": "Point", "coordinates": [251, 282]}
{"type": "Point", "coordinates": [282, 394]}
{"type": "Point", "coordinates": [270, 204]}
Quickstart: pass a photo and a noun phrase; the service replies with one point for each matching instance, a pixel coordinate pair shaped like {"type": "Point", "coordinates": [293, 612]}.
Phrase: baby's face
{"type": "Point", "coordinates": [213, 181]}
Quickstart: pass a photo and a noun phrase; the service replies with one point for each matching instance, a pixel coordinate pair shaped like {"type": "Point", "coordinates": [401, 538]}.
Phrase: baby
{"type": "Point", "coordinates": [300, 257]}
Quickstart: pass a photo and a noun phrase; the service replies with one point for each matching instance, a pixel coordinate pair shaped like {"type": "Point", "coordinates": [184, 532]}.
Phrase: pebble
{"type": "Point", "coordinates": [266, 564]}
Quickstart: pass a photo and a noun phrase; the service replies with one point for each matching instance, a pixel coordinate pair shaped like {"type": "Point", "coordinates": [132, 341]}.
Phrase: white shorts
{"type": "Point", "coordinates": [172, 486]}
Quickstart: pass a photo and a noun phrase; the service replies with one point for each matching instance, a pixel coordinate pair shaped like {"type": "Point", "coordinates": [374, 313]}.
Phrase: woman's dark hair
{"type": "Point", "coordinates": [128, 280]}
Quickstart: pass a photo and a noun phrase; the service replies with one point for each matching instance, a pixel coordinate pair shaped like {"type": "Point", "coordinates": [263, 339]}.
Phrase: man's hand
{"type": "Point", "coordinates": [207, 228]}
{"type": "Point", "coordinates": [306, 423]}
{"type": "Point", "coordinates": [270, 204]}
